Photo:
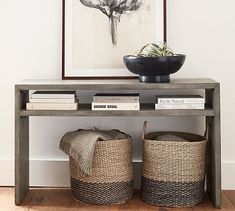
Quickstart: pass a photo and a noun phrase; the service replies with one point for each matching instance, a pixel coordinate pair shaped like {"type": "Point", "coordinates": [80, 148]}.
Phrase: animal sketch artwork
{"type": "Point", "coordinates": [114, 9]}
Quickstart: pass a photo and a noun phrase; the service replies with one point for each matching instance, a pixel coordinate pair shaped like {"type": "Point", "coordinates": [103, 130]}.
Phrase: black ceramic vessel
{"type": "Point", "coordinates": [154, 69]}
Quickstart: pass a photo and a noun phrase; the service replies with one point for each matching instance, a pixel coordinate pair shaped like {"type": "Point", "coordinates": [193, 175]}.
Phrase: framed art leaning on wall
{"type": "Point", "coordinates": [98, 33]}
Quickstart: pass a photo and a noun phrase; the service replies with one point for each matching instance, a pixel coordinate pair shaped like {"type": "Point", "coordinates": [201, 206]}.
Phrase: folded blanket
{"type": "Point", "coordinates": [80, 145]}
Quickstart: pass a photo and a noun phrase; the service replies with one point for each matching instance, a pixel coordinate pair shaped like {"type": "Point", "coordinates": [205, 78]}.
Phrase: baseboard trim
{"type": "Point", "coordinates": [55, 173]}
{"type": "Point", "coordinates": [228, 175]}
{"type": "Point", "coordinates": [7, 173]}
{"type": "Point", "coordinates": [48, 173]}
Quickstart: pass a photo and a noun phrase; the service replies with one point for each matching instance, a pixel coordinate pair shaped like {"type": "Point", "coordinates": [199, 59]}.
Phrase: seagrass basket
{"type": "Point", "coordinates": [173, 172]}
{"type": "Point", "coordinates": [112, 174]}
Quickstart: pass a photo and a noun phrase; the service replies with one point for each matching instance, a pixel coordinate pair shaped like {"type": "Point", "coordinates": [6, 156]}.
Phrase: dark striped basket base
{"type": "Point", "coordinates": [172, 194]}
{"type": "Point", "coordinates": [102, 193]}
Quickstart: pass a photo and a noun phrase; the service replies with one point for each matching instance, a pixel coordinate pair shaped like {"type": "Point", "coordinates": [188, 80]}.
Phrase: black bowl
{"type": "Point", "coordinates": [154, 69]}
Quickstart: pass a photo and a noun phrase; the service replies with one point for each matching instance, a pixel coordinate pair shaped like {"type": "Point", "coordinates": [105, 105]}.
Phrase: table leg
{"type": "Point", "coordinates": [214, 152]}
{"type": "Point", "coordinates": [21, 148]}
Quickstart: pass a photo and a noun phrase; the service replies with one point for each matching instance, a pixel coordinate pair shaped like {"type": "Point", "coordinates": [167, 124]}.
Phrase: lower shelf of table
{"type": "Point", "coordinates": [147, 110]}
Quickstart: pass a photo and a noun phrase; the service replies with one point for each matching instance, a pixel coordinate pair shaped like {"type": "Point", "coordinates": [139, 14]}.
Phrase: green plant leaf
{"type": "Point", "coordinates": [155, 50]}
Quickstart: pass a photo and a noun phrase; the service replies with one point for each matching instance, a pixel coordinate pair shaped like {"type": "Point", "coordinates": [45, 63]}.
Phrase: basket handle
{"type": "Point", "coordinates": [206, 130]}
{"type": "Point", "coordinates": [144, 130]}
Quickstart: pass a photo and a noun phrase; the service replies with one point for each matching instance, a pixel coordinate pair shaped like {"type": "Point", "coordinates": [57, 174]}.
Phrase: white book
{"type": "Point", "coordinates": [115, 106]}
{"type": "Point", "coordinates": [52, 106]}
{"type": "Point", "coordinates": [180, 106]}
{"type": "Point", "coordinates": [180, 99]}
{"type": "Point", "coordinates": [116, 98]}
{"type": "Point", "coordinates": [53, 94]}
{"type": "Point", "coordinates": [50, 100]}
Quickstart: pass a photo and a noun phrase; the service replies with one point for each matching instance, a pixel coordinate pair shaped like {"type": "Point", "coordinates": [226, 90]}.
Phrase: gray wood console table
{"type": "Point", "coordinates": [211, 113]}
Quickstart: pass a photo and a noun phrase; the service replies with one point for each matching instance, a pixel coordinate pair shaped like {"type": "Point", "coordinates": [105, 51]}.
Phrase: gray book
{"type": "Point", "coordinates": [116, 98]}
{"type": "Point", "coordinates": [53, 94]}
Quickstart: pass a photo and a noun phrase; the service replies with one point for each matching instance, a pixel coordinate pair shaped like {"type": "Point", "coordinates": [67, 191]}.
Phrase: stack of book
{"type": "Point", "coordinates": [119, 102]}
{"type": "Point", "coordinates": [53, 100]}
{"type": "Point", "coordinates": [179, 102]}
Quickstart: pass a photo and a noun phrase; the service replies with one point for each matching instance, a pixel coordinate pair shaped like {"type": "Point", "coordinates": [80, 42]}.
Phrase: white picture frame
{"type": "Point", "coordinates": [101, 70]}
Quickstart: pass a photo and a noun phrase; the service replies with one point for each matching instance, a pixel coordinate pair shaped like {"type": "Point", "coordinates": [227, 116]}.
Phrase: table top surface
{"type": "Point", "coordinates": [113, 81]}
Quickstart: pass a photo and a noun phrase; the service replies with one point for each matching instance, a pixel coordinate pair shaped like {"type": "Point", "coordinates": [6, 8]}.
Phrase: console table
{"type": "Point", "coordinates": [211, 114]}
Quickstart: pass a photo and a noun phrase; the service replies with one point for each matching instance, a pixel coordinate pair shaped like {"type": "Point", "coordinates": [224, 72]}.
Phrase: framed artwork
{"type": "Point", "coordinates": [98, 33]}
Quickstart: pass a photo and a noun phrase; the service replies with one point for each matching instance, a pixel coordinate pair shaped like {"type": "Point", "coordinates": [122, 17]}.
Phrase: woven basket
{"type": "Point", "coordinates": [112, 174]}
{"type": "Point", "coordinates": [173, 172]}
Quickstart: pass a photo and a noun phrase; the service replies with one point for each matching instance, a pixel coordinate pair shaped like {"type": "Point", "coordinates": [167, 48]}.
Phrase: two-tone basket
{"type": "Point", "coordinates": [112, 174]}
{"type": "Point", "coordinates": [173, 172]}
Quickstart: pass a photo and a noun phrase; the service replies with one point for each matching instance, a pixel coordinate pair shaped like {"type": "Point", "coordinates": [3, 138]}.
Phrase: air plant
{"type": "Point", "coordinates": [154, 50]}
{"type": "Point", "coordinates": [113, 9]}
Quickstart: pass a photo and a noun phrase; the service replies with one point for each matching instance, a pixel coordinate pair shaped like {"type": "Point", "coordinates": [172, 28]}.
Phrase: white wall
{"type": "Point", "coordinates": [30, 47]}
{"type": "Point", "coordinates": [205, 31]}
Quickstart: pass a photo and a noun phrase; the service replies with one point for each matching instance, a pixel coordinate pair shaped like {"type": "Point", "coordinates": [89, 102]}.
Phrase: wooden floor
{"type": "Point", "coordinates": [60, 200]}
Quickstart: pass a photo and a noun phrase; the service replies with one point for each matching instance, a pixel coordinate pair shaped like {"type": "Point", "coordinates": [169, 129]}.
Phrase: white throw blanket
{"type": "Point", "coordinates": [80, 145]}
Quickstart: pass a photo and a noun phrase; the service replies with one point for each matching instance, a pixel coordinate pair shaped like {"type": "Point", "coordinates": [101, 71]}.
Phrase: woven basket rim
{"type": "Point", "coordinates": [178, 142]}
{"type": "Point", "coordinates": [195, 138]}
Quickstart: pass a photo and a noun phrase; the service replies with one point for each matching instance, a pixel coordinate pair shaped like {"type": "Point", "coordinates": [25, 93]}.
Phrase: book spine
{"type": "Point", "coordinates": [98, 99]}
{"type": "Point", "coordinates": [115, 106]}
{"type": "Point", "coordinates": [51, 106]}
{"type": "Point", "coordinates": [180, 100]}
{"type": "Point", "coordinates": [53, 96]}
{"type": "Point", "coordinates": [179, 106]}
{"type": "Point", "coordinates": [50, 100]}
